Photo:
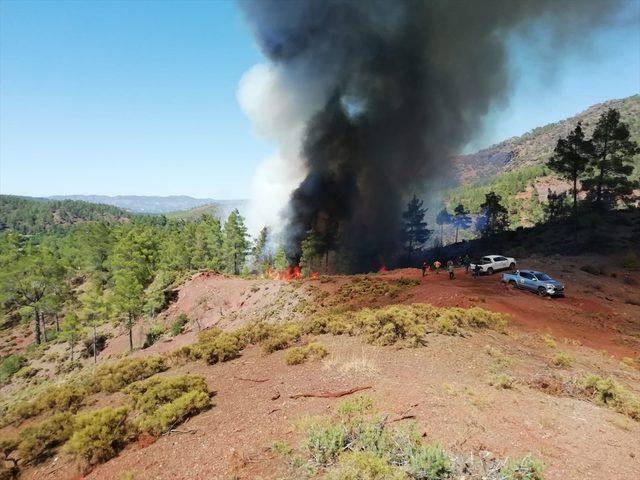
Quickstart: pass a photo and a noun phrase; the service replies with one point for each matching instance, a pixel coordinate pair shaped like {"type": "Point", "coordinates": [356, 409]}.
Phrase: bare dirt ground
{"type": "Point", "coordinates": [443, 385]}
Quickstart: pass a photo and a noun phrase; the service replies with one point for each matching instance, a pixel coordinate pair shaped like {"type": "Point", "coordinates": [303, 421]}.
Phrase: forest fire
{"type": "Point", "coordinates": [291, 273]}
{"type": "Point", "coordinates": [383, 269]}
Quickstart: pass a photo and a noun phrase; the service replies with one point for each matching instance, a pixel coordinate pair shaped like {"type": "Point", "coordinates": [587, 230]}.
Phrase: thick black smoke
{"type": "Point", "coordinates": [406, 86]}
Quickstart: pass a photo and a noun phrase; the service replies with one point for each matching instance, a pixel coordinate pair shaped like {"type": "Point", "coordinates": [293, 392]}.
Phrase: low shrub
{"type": "Point", "coordinates": [357, 444]}
{"type": "Point", "coordinates": [114, 376]}
{"type": "Point", "coordinates": [168, 401]}
{"type": "Point", "coordinates": [280, 337]}
{"type": "Point", "coordinates": [364, 466]}
{"type": "Point", "coordinates": [562, 360]}
{"type": "Point", "coordinates": [393, 324]}
{"type": "Point", "coordinates": [295, 356]}
{"type": "Point", "coordinates": [219, 348]}
{"type": "Point", "coordinates": [606, 391]}
{"type": "Point", "coordinates": [316, 350]}
{"type": "Point", "coordinates": [153, 335]}
{"type": "Point", "coordinates": [10, 365]}
{"type": "Point", "coordinates": [177, 327]}
{"type": "Point", "coordinates": [174, 413]}
{"type": "Point", "coordinates": [99, 435]}
{"type": "Point", "coordinates": [35, 442]}
{"type": "Point", "coordinates": [312, 351]}
{"type": "Point", "coordinates": [501, 380]}
{"type": "Point", "coordinates": [527, 468]}
{"type": "Point", "coordinates": [66, 397]}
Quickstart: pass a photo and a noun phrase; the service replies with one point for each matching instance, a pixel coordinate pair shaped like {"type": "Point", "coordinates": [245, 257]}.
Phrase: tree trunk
{"type": "Point", "coordinates": [37, 326]}
{"type": "Point", "coordinates": [130, 325]}
{"type": "Point", "coordinates": [55, 316]}
{"type": "Point", "coordinates": [95, 352]}
{"type": "Point", "coordinates": [71, 344]}
{"type": "Point", "coordinates": [457, 227]}
{"type": "Point", "coordinates": [575, 210]}
{"type": "Point", "coordinates": [442, 235]}
{"type": "Point", "coordinates": [44, 328]}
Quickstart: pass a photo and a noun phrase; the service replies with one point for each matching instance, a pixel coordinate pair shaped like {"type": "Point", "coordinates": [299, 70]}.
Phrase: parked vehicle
{"type": "Point", "coordinates": [492, 263]}
{"type": "Point", "coordinates": [538, 282]}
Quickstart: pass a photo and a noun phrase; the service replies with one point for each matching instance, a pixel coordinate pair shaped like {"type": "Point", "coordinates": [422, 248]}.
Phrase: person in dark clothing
{"type": "Point", "coordinates": [476, 271]}
{"type": "Point", "coordinates": [424, 268]}
{"type": "Point", "coordinates": [467, 263]}
{"type": "Point", "coordinates": [450, 269]}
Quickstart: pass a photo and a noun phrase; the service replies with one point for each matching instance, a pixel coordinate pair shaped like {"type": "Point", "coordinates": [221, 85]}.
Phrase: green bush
{"type": "Point", "coordinates": [562, 359]}
{"type": "Point", "coordinates": [113, 377]}
{"type": "Point", "coordinates": [221, 348]}
{"type": "Point", "coordinates": [312, 351]}
{"type": "Point", "coordinates": [99, 435]}
{"type": "Point", "coordinates": [150, 394]}
{"type": "Point", "coordinates": [527, 468]}
{"type": "Point", "coordinates": [168, 401]}
{"type": "Point", "coordinates": [174, 413]}
{"type": "Point", "coordinates": [35, 442]}
{"type": "Point", "coordinates": [280, 337]}
{"type": "Point", "coordinates": [606, 391]}
{"type": "Point", "coordinates": [364, 466]}
{"type": "Point", "coordinates": [67, 397]}
{"type": "Point", "coordinates": [178, 325]}
{"type": "Point", "coordinates": [10, 365]}
{"type": "Point", "coordinates": [153, 335]}
{"type": "Point", "coordinates": [295, 356]}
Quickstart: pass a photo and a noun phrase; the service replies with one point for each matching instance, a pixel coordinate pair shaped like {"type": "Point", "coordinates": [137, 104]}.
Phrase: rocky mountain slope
{"type": "Point", "coordinates": [536, 146]}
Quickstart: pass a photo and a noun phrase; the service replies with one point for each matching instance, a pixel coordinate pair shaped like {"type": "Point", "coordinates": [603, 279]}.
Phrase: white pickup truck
{"type": "Point", "coordinates": [492, 263]}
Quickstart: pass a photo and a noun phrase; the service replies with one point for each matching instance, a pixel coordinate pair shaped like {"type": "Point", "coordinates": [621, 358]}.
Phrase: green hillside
{"type": "Point", "coordinates": [32, 215]}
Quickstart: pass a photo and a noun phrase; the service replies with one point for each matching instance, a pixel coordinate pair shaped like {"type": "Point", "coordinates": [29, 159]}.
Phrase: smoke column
{"type": "Point", "coordinates": [381, 94]}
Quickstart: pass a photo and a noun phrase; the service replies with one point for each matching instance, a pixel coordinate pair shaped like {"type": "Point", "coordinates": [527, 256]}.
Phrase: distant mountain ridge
{"type": "Point", "coordinates": [154, 204]}
{"type": "Point", "coordinates": [536, 146]}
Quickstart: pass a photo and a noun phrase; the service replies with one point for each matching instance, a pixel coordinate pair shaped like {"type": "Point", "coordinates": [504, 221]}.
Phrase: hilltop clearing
{"type": "Point", "coordinates": [560, 382]}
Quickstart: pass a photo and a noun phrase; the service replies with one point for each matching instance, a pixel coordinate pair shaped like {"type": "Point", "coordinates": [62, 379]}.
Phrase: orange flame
{"type": "Point", "coordinates": [291, 273]}
{"type": "Point", "coordinates": [383, 269]}
{"type": "Point", "coordinates": [314, 274]}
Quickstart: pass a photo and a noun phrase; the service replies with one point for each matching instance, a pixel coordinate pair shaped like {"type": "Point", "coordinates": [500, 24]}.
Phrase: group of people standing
{"type": "Point", "coordinates": [464, 261]}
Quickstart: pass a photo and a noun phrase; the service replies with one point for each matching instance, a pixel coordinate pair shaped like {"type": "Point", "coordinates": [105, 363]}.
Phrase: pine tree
{"type": "Point", "coordinates": [280, 261]}
{"type": "Point", "coordinates": [72, 331]}
{"type": "Point", "coordinates": [461, 219]}
{"type": "Point", "coordinates": [128, 298]}
{"type": "Point", "coordinates": [235, 244]}
{"type": "Point", "coordinates": [312, 249]}
{"type": "Point", "coordinates": [261, 258]}
{"type": "Point", "coordinates": [443, 218]}
{"type": "Point", "coordinates": [556, 207]}
{"type": "Point", "coordinates": [570, 159]}
{"type": "Point", "coordinates": [610, 160]}
{"type": "Point", "coordinates": [494, 217]}
{"type": "Point", "coordinates": [415, 232]}
{"type": "Point", "coordinates": [95, 310]}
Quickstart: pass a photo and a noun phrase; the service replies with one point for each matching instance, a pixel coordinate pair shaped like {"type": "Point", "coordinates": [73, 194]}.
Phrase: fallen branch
{"type": "Point", "coordinates": [403, 417]}
{"type": "Point", "coordinates": [254, 380]}
{"type": "Point", "coordinates": [330, 394]}
{"type": "Point", "coordinates": [175, 430]}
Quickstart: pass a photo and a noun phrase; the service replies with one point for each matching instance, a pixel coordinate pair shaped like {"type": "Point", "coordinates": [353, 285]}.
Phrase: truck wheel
{"type": "Point", "coordinates": [512, 284]}
{"type": "Point", "coordinates": [541, 291]}
{"type": "Point", "coordinates": [512, 266]}
{"type": "Point", "coordinates": [490, 271]}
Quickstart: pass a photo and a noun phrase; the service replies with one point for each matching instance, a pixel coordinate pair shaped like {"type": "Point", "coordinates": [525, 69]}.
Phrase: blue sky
{"type": "Point", "coordinates": [139, 97]}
